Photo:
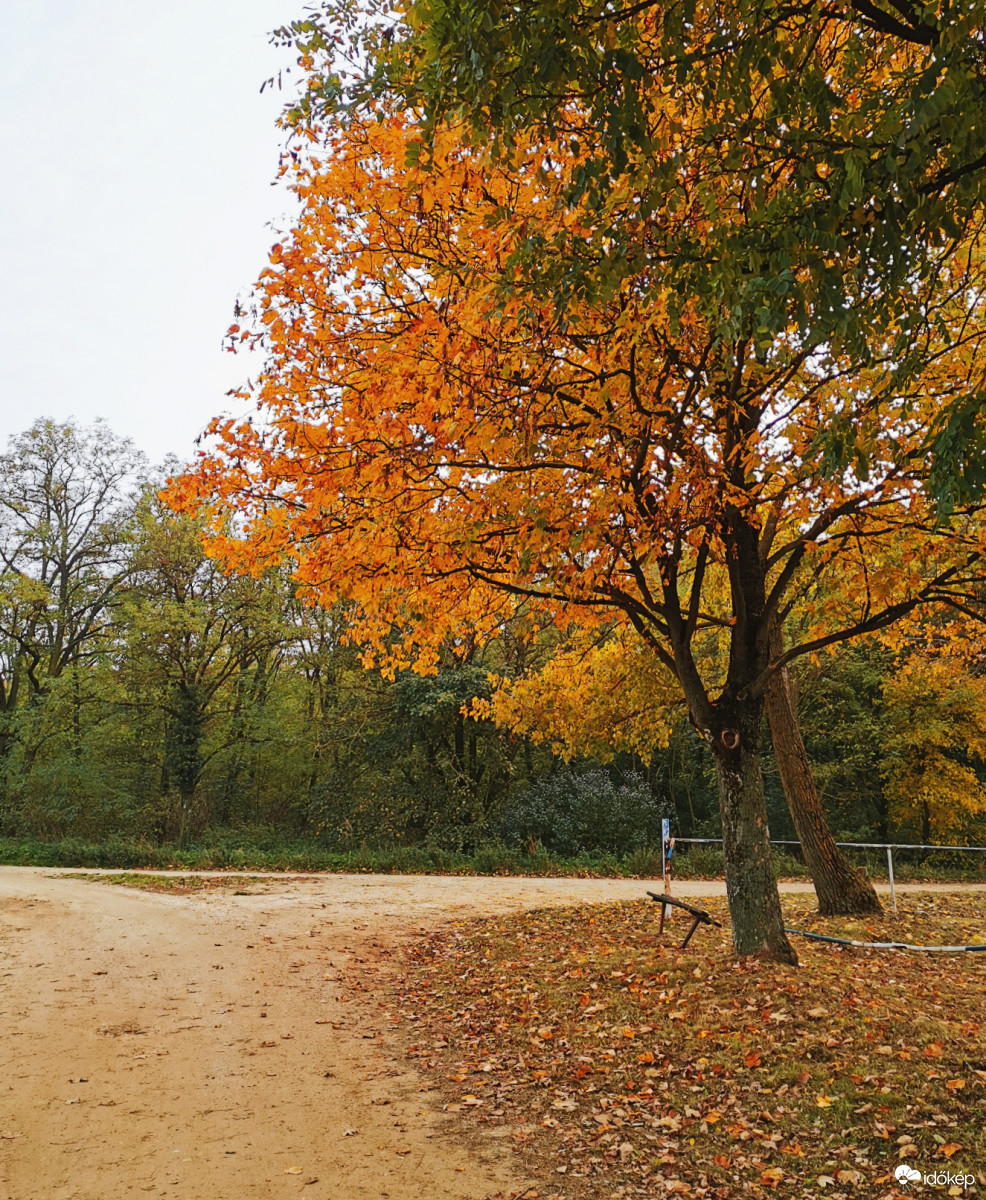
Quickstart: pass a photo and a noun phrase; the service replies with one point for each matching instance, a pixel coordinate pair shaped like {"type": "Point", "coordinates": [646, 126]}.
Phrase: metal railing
{"type": "Point", "coordinates": [890, 847]}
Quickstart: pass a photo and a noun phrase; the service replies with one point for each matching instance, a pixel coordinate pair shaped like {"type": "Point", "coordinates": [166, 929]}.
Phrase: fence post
{"type": "Point", "coordinates": [890, 871]}
{"type": "Point", "coordinates": [665, 840]}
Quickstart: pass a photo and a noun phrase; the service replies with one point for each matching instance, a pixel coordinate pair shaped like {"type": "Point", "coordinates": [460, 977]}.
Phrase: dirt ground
{"type": "Point", "coordinates": [214, 1046]}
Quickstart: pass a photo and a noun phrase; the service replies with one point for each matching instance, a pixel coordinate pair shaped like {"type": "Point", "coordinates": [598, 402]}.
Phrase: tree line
{"type": "Point", "coordinates": [146, 693]}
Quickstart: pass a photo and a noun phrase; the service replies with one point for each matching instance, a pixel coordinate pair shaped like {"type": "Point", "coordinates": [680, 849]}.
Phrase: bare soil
{"type": "Point", "coordinates": [207, 1045]}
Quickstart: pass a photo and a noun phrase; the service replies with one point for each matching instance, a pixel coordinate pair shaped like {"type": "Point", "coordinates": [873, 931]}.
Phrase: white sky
{"type": "Point", "coordinates": [137, 156]}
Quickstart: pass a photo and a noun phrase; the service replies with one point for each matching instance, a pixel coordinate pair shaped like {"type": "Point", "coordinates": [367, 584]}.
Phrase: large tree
{"type": "Point", "coordinates": [434, 447]}
{"type": "Point", "coordinates": [846, 135]}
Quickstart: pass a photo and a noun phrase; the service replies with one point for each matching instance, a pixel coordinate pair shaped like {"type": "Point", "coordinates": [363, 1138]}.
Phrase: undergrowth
{"type": "Point", "coordinates": [230, 852]}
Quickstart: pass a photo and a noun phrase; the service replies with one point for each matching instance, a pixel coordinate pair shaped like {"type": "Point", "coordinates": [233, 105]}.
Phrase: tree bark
{"type": "Point", "coordinates": [840, 889]}
{"type": "Point", "coordinates": [751, 887]}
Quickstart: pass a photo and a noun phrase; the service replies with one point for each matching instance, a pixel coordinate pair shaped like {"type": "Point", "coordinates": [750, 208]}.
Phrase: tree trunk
{"type": "Point", "coordinates": [840, 889]}
{"type": "Point", "coordinates": [183, 751]}
{"type": "Point", "coordinates": [751, 888]}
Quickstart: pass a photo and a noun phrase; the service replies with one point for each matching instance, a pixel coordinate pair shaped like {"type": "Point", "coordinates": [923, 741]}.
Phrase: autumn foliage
{"type": "Point", "coordinates": [439, 442]}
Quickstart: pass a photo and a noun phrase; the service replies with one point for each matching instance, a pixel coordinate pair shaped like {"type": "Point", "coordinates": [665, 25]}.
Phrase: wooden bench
{"type": "Point", "coordinates": [701, 917]}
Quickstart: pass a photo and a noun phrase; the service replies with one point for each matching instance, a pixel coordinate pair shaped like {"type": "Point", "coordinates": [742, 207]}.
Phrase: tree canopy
{"type": "Point", "coordinates": [439, 441]}
{"type": "Point", "coordinates": [831, 149]}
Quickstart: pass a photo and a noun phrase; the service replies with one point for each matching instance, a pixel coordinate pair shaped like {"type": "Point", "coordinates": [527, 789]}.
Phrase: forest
{"type": "Point", "coordinates": [150, 699]}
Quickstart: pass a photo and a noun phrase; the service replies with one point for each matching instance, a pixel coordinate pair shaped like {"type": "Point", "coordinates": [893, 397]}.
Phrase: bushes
{"type": "Point", "coordinates": [571, 813]}
{"type": "Point", "coordinates": [269, 854]}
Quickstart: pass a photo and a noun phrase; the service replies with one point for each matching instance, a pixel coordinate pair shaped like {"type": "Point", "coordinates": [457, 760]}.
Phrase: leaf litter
{"type": "Point", "coordinates": [617, 1065]}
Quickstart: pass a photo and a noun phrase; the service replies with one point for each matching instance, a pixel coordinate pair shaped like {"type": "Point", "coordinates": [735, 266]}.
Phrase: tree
{"type": "Point", "coordinates": [840, 889]}
{"type": "Point", "coordinates": [436, 447]}
{"type": "Point", "coordinates": [66, 504]}
{"type": "Point", "coordinates": [191, 632]}
{"type": "Point", "coordinates": [936, 716]}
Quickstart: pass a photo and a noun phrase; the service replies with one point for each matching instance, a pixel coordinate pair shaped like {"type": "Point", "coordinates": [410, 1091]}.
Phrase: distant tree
{"type": "Point", "coordinates": [191, 631]}
{"type": "Point", "coordinates": [67, 497]}
{"type": "Point", "coordinates": [935, 752]}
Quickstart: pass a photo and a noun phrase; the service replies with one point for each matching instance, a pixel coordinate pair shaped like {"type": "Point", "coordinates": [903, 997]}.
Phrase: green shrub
{"type": "Point", "coordinates": [786, 866]}
{"type": "Point", "coordinates": [572, 813]}
{"type": "Point", "coordinates": [645, 861]}
{"type": "Point", "coordinates": [699, 862]}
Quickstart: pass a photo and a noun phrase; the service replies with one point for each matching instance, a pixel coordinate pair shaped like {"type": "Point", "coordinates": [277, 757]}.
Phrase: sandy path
{"type": "Point", "coordinates": [222, 1047]}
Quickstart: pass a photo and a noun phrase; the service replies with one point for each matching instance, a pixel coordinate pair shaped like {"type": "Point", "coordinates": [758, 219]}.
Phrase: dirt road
{"type": "Point", "coordinates": [216, 1046]}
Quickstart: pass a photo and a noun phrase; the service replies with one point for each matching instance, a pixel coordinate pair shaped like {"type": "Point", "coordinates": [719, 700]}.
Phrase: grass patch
{"type": "Point", "coordinates": [623, 1066]}
{"type": "Point", "coordinates": [180, 885]}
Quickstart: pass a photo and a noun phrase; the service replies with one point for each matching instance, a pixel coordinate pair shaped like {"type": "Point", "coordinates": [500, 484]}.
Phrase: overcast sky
{"type": "Point", "coordinates": [135, 198]}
